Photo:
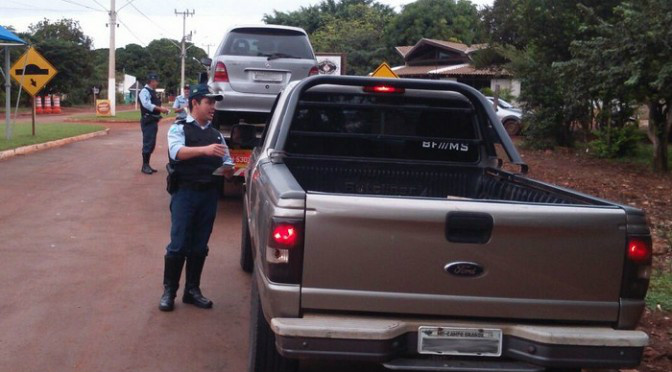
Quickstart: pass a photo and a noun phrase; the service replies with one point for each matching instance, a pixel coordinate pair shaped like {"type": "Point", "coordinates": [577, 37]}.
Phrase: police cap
{"type": "Point", "coordinates": [152, 76]}
{"type": "Point", "coordinates": [203, 90]}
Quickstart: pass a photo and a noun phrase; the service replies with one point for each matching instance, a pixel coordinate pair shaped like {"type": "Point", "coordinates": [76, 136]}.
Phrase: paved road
{"type": "Point", "coordinates": [82, 235]}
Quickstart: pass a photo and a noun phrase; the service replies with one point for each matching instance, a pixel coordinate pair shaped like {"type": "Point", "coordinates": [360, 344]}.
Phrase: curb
{"type": "Point", "coordinates": [25, 150]}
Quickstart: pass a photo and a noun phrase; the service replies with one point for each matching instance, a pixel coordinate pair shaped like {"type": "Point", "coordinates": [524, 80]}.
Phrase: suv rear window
{"type": "Point", "coordinates": [390, 126]}
{"type": "Point", "coordinates": [265, 42]}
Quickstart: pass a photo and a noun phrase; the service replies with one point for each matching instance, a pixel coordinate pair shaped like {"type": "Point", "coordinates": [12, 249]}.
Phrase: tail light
{"type": "Point", "coordinates": [284, 251]}
{"type": "Point", "coordinates": [313, 71]}
{"type": "Point", "coordinates": [637, 268]}
{"type": "Point", "coordinates": [221, 75]}
{"type": "Point", "coordinates": [383, 89]}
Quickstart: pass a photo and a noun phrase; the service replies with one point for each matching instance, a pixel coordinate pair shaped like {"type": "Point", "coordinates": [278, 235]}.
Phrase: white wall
{"type": "Point", "coordinates": [512, 84]}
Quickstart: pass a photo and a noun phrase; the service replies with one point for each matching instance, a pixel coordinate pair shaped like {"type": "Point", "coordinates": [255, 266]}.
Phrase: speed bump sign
{"type": "Point", "coordinates": [32, 71]}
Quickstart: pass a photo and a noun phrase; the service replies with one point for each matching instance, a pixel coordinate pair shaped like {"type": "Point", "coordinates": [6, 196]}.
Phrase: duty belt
{"type": "Point", "coordinates": [197, 186]}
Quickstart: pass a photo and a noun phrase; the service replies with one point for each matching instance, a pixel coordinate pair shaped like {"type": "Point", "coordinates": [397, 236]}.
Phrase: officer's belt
{"type": "Point", "coordinates": [198, 186]}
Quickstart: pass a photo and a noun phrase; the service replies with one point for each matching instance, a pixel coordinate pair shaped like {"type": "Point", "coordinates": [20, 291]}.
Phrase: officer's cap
{"type": "Point", "coordinates": [203, 90]}
{"type": "Point", "coordinates": [152, 76]}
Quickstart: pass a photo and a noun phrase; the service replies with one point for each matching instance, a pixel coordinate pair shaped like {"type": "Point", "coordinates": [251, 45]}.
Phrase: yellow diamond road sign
{"type": "Point", "coordinates": [384, 70]}
{"type": "Point", "coordinates": [38, 71]}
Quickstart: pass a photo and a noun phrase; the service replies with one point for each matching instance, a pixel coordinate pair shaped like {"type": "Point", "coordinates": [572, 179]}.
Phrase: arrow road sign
{"type": "Point", "coordinates": [32, 71]}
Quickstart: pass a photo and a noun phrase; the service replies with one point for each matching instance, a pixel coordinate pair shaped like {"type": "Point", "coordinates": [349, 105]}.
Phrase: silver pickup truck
{"type": "Point", "coordinates": [380, 226]}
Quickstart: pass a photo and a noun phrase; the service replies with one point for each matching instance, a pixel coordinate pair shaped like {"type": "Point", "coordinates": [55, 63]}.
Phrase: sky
{"type": "Point", "coordinates": [141, 21]}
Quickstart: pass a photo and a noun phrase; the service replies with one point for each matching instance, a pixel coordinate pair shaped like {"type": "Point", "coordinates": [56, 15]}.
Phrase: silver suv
{"type": "Point", "coordinates": [252, 65]}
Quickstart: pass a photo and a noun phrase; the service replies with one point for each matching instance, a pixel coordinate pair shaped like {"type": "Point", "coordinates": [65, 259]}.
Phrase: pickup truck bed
{"type": "Point", "coordinates": [381, 226]}
{"type": "Point", "coordinates": [424, 180]}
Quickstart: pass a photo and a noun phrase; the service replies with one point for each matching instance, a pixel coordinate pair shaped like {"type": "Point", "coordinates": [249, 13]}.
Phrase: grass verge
{"type": "Point", "coordinates": [122, 116]}
{"type": "Point", "coordinates": [660, 290]}
{"type": "Point", "coordinates": [44, 132]}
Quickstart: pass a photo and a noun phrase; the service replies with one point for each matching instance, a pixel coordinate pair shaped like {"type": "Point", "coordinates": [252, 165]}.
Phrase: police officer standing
{"type": "Point", "coordinates": [196, 151]}
{"type": "Point", "coordinates": [182, 103]}
{"type": "Point", "coordinates": [150, 110]}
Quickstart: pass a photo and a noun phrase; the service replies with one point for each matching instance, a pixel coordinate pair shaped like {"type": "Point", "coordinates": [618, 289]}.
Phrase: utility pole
{"type": "Point", "coordinates": [111, 78]}
{"type": "Point", "coordinates": [208, 46]}
{"type": "Point", "coordinates": [183, 54]}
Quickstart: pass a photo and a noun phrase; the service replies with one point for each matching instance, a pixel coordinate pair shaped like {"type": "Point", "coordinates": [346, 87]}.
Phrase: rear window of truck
{"type": "Point", "coordinates": [384, 127]}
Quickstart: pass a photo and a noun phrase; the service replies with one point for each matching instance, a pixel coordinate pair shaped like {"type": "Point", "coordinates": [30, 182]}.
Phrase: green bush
{"type": "Point", "coordinates": [541, 129]}
{"type": "Point", "coordinates": [487, 92]}
{"type": "Point", "coordinates": [616, 142]}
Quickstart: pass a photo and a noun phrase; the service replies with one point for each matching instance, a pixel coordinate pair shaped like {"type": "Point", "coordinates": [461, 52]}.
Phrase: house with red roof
{"type": "Point", "coordinates": [447, 60]}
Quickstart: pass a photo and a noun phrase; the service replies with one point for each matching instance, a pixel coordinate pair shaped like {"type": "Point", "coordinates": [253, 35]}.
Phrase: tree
{"type": "Point", "coordinates": [136, 60]}
{"type": "Point", "coordinates": [536, 35]}
{"type": "Point", "coordinates": [163, 57]}
{"type": "Point", "coordinates": [66, 47]}
{"type": "Point", "coordinates": [456, 20]}
{"type": "Point", "coordinates": [316, 16]}
{"type": "Point", "coordinates": [327, 22]}
{"type": "Point", "coordinates": [363, 43]}
{"type": "Point", "coordinates": [631, 56]}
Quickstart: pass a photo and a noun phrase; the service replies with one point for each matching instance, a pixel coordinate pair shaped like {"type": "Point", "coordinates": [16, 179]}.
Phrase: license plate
{"type": "Point", "coordinates": [274, 77]}
{"type": "Point", "coordinates": [460, 341]}
{"type": "Point", "coordinates": [241, 158]}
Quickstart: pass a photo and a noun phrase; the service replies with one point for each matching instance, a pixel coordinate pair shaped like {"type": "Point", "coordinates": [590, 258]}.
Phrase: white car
{"type": "Point", "coordinates": [510, 116]}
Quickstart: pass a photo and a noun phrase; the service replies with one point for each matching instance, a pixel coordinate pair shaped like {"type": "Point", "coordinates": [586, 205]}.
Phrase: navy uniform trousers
{"type": "Point", "coordinates": [149, 126]}
{"type": "Point", "coordinates": [193, 214]}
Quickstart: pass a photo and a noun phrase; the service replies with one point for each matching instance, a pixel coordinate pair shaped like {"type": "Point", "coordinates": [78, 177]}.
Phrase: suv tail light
{"type": "Point", "coordinates": [637, 269]}
{"type": "Point", "coordinates": [383, 89]}
{"type": "Point", "coordinates": [313, 71]}
{"type": "Point", "coordinates": [221, 75]}
{"type": "Point", "coordinates": [284, 251]}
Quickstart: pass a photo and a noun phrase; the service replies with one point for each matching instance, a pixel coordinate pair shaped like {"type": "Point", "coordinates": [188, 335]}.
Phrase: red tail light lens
{"type": "Point", "coordinates": [221, 75]}
{"type": "Point", "coordinates": [284, 252]}
{"type": "Point", "coordinates": [639, 250]}
{"type": "Point", "coordinates": [637, 267]}
{"type": "Point", "coordinates": [285, 235]}
{"type": "Point", "coordinates": [313, 71]}
{"type": "Point", "coordinates": [383, 89]}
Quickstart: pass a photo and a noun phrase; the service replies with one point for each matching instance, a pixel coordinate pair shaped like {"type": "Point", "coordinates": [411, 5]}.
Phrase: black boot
{"type": "Point", "coordinates": [171, 281]}
{"type": "Point", "coordinates": [192, 292]}
{"type": "Point", "coordinates": [149, 156]}
{"type": "Point", "coordinates": [146, 169]}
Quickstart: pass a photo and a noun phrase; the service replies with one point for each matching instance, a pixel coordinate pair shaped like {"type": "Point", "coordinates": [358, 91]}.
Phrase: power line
{"type": "Point", "coordinates": [82, 5]}
{"type": "Point", "coordinates": [157, 25]}
{"type": "Point", "coordinates": [123, 6]}
{"type": "Point", "coordinates": [101, 5]}
{"type": "Point", "coordinates": [42, 9]}
{"type": "Point", "coordinates": [144, 15]}
{"type": "Point", "coordinates": [132, 33]}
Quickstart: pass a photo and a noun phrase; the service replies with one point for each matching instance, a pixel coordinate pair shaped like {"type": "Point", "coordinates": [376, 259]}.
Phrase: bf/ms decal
{"type": "Point", "coordinates": [448, 146]}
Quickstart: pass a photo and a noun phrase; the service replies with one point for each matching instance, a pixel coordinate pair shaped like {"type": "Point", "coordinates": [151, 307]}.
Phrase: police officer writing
{"type": "Point", "coordinates": [181, 104]}
{"type": "Point", "coordinates": [197, 151]}
{"type": "Point", "coordinates": [150, 110]}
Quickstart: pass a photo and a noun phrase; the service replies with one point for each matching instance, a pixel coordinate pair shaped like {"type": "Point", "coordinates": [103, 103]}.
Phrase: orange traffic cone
{"type": "Point", "coordinates": [47, 104]}
{"type": "Point", "coordinates": [57, 105]}
{"type": "Point", "coordinates": [38, 105]}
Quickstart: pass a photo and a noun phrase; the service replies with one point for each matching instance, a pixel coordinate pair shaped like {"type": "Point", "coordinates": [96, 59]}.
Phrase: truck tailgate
{"type": "Point", "coordinates": [394, 255]}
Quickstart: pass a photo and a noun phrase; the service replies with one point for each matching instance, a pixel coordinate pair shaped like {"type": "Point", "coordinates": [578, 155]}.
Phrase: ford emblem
{"type": "Point", "coordinates": [464, 269]}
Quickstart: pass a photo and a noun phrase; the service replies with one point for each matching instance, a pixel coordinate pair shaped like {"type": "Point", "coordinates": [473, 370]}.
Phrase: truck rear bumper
{"type": "Point", "coordinates": [394, 341]}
